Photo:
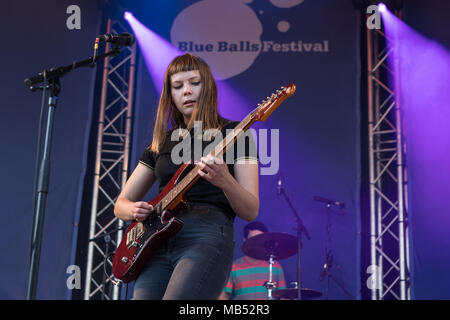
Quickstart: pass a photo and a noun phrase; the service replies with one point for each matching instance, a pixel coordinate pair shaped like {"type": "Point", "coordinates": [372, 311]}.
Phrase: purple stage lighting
{"type": "Point", "coordinates": [127, 15]}
{"type": "Point", "coordinates": [422, 73]}
{"type": "Point", "coordinates": [158, 53]}
{"type": "Point", "coordinates": [381, 7]}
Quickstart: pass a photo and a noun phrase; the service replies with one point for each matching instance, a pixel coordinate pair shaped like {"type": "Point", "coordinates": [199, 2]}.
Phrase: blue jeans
{"type": "Point", "coordinates": [195, 263]}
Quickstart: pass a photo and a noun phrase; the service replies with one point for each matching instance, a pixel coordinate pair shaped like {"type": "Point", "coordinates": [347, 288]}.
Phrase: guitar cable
{"type": "Point", "coordinates": [110, 276]}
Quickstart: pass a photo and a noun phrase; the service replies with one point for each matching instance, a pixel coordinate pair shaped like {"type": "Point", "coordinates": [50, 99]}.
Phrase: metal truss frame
{"type": "Point", "coordinates": [111, 168]}
{"type": "Point", "coordinates": [389, 242]}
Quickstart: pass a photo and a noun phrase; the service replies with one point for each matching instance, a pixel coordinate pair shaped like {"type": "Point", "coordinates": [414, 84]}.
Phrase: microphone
{"type": "Point", "coordinates": [279, 185]}
{"type": "Point", "coordinates": [324, 272]}
{"type": "Point", "coordinates": [125, 39]}
{"type": "Point", "coordinates": [330, 202]}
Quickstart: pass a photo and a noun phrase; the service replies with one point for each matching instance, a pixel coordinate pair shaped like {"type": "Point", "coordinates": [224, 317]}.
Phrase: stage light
{"type": "Point", "coordinates": [158, 52]}
{"type": "Point", "coordinates": [381, 7]}
{"type": "Point", "coordinates": [127, 15]}
{"type": "Point", "coordinates": [421, 67]}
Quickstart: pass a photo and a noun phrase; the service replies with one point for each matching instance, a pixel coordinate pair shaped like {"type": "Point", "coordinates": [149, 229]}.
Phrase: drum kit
{"type": "Point", "coordinates": [271, 246]}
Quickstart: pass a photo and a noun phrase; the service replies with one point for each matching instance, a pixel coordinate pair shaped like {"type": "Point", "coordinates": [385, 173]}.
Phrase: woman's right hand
{"type": "Point", "coordinates": [140, 210]}
{"type": "Point", "coordinates": [127, 206]}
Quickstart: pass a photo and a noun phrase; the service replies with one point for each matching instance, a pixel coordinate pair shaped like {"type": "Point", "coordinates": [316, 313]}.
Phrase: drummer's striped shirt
{"type": "Point", "coordinates": [247, 279]}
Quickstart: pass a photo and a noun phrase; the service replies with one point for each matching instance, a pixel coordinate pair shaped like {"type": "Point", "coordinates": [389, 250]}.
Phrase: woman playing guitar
{"type": "Point", "coordinates": [196, 262]}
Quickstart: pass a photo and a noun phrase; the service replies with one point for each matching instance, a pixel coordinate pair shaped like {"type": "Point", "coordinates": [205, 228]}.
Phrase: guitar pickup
{"type": "Point", "coordinates": [134, 234]}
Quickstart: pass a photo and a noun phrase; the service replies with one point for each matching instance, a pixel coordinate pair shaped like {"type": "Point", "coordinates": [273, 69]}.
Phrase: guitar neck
{"type": "Point", "coordinates": [261, 113]}
{"type": "Point", "coordinates": [218, 151]}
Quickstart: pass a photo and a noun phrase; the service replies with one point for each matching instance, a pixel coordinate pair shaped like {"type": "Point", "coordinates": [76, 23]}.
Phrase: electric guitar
{"type": "Point", "coordinates": [143, 238]}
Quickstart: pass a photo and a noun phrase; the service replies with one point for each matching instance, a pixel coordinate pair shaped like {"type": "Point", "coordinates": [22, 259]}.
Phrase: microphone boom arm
{"type": "Point", "coordinates": [59, 72]}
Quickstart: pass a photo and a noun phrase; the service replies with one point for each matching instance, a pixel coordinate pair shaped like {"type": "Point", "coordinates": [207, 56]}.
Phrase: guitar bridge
{"type": "Point", "coordinates": [134, 234]}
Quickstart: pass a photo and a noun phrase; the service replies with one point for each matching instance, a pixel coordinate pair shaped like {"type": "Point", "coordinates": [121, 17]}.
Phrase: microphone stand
{"type": "Point", "coordinates": [300, 229]}
{"type": "Point", "coordinates": [328, 255]}
{"type": "Point", "coordinates": [51, 81]}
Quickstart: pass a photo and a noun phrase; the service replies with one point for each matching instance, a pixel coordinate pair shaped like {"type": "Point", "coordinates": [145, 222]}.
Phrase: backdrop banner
{"type": "Point", "coordinates": [311, 141]}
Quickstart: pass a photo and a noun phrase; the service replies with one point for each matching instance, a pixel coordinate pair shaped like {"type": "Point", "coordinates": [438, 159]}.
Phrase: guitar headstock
{"type": "Point", "coordinates": [267, 106]}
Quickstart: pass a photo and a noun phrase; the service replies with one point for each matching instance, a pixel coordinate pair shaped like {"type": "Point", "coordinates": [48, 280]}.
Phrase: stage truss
{"type": "Point", "coordinates": [388, 174]}
{"type": "Point", "coordinates": [387, 171]}
{"type": "Point", "coordinates": [111, 167]}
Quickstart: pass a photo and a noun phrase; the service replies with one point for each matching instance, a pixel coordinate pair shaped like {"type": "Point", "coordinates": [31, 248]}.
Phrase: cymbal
{"type": "Point", "coordinates": [292, 293]}
{"type": "Point", "coordinates": [281, 245]}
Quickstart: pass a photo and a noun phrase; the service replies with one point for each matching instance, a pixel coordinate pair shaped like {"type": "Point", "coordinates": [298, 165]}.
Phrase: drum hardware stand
{"type": "Point", "coordinates": [328, 255]}
{"type": "Point", "coordinates": [270, 285]}
{"type": "Point", "coordinates": [300, 228]}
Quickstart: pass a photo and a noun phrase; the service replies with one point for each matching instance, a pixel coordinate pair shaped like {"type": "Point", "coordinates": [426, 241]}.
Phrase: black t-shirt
{"type": "Point", "coordinates": [202, 190]}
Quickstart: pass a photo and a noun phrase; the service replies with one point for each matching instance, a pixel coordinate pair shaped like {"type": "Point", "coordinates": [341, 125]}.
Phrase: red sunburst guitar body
{"type": "Point", "coordinates": [143, 238]}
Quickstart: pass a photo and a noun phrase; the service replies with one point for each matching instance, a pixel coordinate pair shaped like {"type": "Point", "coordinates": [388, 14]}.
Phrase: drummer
{"type": "Point", "coordinates": [248, 275]}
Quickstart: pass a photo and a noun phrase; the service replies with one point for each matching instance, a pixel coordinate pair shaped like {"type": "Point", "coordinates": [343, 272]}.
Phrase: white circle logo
{"type": "Point", "coordinates": [226, 34]}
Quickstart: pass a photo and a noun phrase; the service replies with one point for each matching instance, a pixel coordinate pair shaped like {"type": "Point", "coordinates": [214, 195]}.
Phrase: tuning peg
{"type": "Point", "coordinates": [273, 96]}
{"type": "Point", "coordinates": [279, 92]}
{"type": "Point", "coordinates": [269, 99]}
{"type": "Point", "coordinates": [283, 88]}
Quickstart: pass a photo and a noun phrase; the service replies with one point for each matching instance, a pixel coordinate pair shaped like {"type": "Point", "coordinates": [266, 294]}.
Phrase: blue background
{"type": "Point", "coordinates": [320, 125]}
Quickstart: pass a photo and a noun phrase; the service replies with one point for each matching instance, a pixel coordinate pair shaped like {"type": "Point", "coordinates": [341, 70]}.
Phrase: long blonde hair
{"type": "Point", "coordinates": [206, 107]}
